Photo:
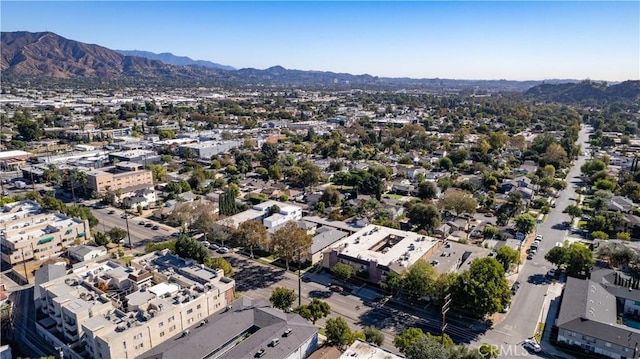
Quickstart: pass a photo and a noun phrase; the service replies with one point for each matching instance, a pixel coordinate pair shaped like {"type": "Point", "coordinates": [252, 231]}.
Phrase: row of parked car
{"type": "Point", "coordinates": [534, 247]}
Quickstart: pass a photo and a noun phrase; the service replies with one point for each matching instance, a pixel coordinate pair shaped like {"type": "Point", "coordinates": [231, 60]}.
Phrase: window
{"type": "Point", "coordinates": [160, 325]}
{"type": "Point", "coordinates": [189, 311]}
{"type": "Point", "coordinates": [199, 306]}
{"type": "Point", "coordinates": [199, 315]}
{"type": "Point", "coordinates": [190, 320]}
{"type": "Point", "coordinates": [608, 345]}
{"type": "Point", "coordinates": [124, 345]}
{"type": "Point", "coordinates": [161, 334]}
{"type": "Point", "coordinates": [172, 328]}
{"type": "Point", "coordinates": [172, 318]}
{"type": "Point", "coordinates": [138, 336]}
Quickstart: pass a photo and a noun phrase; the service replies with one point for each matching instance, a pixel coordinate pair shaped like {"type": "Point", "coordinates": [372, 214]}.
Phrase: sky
{"type": "Point", "coordinates": [514, 40]}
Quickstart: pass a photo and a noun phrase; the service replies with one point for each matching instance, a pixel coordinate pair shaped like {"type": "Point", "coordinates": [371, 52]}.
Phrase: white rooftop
{"type": "Point", "coordinates": [385, 245]}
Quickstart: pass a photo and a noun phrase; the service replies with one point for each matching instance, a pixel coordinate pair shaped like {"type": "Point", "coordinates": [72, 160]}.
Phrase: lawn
{"type": "Point", "coordinates": [539, 332]}
{"type": "Point", "coordinates": [394, 196]}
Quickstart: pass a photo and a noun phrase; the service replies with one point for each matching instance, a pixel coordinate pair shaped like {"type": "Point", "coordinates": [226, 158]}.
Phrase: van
{"type": "Point", "coordinates": [275, 342]}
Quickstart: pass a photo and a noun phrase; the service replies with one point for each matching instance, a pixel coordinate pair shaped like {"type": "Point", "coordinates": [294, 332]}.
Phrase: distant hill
{"type": "Point", "coordinates": [44, 56]}
{"type": "Point", "coordinates": [169, 58]}
{"type": "Point", "coordinates": [51, 55]}
{"type": "Point", "coordinates": [585, 90]}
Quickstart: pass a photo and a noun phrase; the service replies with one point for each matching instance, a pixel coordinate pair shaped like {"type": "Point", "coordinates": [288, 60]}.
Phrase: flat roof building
{"type": "Point", "coordinates": [379, 250]}
{"type": "Point", "coordinates": [29, 233]}
{"type": "Point", "coordinates": [104, 310]}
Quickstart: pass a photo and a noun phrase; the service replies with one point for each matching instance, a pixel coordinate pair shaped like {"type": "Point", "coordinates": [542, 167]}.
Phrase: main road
{"type": "Point", "coordinates": [140, 235]}
{"type": "Point", "coordinates": [522, 319]}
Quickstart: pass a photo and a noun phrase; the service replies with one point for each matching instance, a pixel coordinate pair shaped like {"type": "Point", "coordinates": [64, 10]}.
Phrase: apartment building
{"type": "Point", "coordinates": [105, 310]}
{"type": "Point", "coordinates": [27, 232]}
{"type": "Point", "coordinates": [122, 176]}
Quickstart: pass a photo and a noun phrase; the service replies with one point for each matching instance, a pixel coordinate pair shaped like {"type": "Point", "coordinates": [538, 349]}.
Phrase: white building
{"type": "Point", "coordinates": [104, 310]}
{"type": "Point", "coordinates": [86, 253]}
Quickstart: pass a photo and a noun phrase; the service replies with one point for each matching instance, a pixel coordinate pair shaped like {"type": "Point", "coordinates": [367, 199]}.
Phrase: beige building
{"type": "Point", "coordinates": [109, 311]}
{"type": "Point", "coordinates": [27, 232]}
{"type": "Point", "coordinates": [104, 181]}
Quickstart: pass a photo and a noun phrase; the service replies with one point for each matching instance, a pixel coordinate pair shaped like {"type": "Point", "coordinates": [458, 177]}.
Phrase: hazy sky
{"type": "Point", "coordinates": [464, 40]}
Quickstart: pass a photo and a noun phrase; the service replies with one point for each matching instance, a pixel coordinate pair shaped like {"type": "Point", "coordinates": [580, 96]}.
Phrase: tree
{"type": "Point", "coordinates": [227, 202]}
{"type": "Point", "coordinates": [557, 255]}
{"type": "Point", "coordinates": [459, 202]}
{"type": "Point", "coordinates": [427, 348]}
{"type": "Point", "coordinates": [290, 242]}
{"type": "Point", "coordinates": [489, 232]}
{"type": "Point", "coordinates": [489, 351]}
{"type": "Point", "coordinates": [373, 335]}
{"type": "Point", "coordinates": [482, 288]}
{"type": "Point", "coordinates": [600, 235]}
{"type": "Point", "coordinates": [313, 311]}
{"type": "Point", "coordinates": [525, 223]}
{"type": "Point", "coordinates": [424, 216]}
{"type": "Point", "coordinates": [579, 260]}
{"type": "Point", "coordinates": [338, 332]}
{"type": "Point", "coordinates": [187, 247]}
{"type": "Point", "coordinates": [507, 256]}
{"type": "Point", "coordinates": [330, 196]}
{"type": "Point", "coordinates": [420, 278]}
{"type": "Point", "coordinates": [445, 163]}
{"type": "Point", "coordinates": [269, 152]}
{"type": "Point", "coordinates": [392, 282]}
{"type": "Point", "coordinates": [573, 211]}
{"type": "Point", "coordinates": [282, 298]}
{"type": "Point", "coordinates": [252, 234]}
{"type": "Point", "coordinates": [116, 234]}
{"type": "Point", "coordinates": [426, 190]}
{"type": "Point", "coordinates": [101, 239]}
{"type": "Point", "coordinates": [220, 263]}
{"type": "Point", "coordinates": [409, 336]}
{"type": "Point", "coordinates": [342, 271]}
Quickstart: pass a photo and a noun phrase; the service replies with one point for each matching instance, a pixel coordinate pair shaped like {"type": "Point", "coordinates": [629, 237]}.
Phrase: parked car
{"type": "Point", "coordinates": [149, 224]}
{"type": "Point", "coordinates": [551, 273]}
{"type": "Point", "coordinates": [214, 246]}
{"type": "Point", "coordinates": [336, 288]}
{"type": "Point", "coordinates": [206, 244]}
{"type": "Point", "coordinates": [505, 309]}
{"type": "Point", "coordinates": [111, 211]}
{"type": "Point", "coordinates": [530, 344]}
{"type": "Point", "coordinates": [175, 234]}
{"type": "Point", "coordinates": [223, 250]}
{"type": "Point", "coordinates": [156, 227]}
{"type": "Point", "coordinates": [515, 287]}
{"type": "Point", "coordinates": [539, 237]}
{"type": "Point", "coordinates": [530, 256]}
{"type": "Point", "coordinates": [142, 223]}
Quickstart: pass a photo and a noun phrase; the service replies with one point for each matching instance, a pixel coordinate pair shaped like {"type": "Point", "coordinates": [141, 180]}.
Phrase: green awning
{"type": "Point", "coordinates": [45, 240]}
{"type": "Point", "coordinates": [68, 231]}
{"type": "Point", "coordinates": [81, 234]}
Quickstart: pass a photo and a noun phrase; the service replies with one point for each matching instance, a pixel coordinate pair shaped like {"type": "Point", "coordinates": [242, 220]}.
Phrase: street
{"type": "Point", "coordinates": [522, 319]}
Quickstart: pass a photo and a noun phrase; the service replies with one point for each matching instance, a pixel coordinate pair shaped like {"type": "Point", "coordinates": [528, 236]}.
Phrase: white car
{"type": "Point", "coordinates": [551, 273]}
{"type": "Point", "coordinates": [206, 244]}
{"type": "Point", "coordinates": [223, 250]}
{"type": "Point", "coordinates": [539, 237]}
{"type": "Point", "coordinates": [530, 344]}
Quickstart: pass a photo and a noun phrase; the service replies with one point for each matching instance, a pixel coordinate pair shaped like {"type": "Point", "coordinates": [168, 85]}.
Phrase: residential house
{"type": "Point", "coordinates": [325, 237]}
{"type": "Point", "coordinates": [84, 253]}
{"type": "Point", "coordinates": [620, 204]}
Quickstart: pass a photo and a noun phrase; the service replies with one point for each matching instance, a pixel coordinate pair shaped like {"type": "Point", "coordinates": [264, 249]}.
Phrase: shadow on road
{"type": "Point", "coordinates": [537, 279]}
{"type": "Point", "coordinates": [249, 275]}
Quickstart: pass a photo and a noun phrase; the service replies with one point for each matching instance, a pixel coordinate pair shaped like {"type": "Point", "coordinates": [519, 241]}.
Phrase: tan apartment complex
{"type": "Point", "coordinates": [27, 232]}
{"type": "Point", "coordinates": [133, 176]}
{"type": "Point", "coordinates": [109, 311]}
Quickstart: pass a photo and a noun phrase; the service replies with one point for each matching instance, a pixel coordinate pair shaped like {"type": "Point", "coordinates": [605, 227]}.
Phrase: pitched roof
{"type": "Point", "coordinates": [221, 330]}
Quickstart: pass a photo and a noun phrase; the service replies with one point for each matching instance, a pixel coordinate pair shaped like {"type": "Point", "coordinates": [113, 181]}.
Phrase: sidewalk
{"type": "Point", "coordinates": [548, 314]}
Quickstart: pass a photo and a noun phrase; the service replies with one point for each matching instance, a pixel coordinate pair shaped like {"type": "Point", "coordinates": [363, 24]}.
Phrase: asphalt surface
{"type": "Point", "coordinates": [522, 319]}
{"type": "Point", "coordinates": [140, 235]}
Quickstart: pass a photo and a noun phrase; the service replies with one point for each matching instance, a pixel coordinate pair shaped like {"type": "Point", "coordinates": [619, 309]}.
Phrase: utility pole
{"type": "Point", "coordinates": [299, 277]}
{"type": "Point", "coordinates": [126, 220]}
{"type": "Point", "coordinates": [24, 263]}
{"type": "Point", "coordinates": [445, 309]}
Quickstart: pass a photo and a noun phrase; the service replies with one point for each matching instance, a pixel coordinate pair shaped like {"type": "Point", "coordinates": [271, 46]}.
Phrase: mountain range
{"type": "Point", "coordinates": [43, 55]}
{"type": "Point", "coordinates": [169, 58]}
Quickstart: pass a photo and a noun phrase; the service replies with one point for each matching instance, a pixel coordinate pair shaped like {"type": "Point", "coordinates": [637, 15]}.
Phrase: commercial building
{"type": "Point", "coordinates": [204, 150]}
{"type": "Point", "coordinates": [378, 250]}
{"type": "Point", "coordinates": [28, 233]}
{"type": "Point", "coordinates": [11, 160]}
{"type": "Point", "coordinates": [362, 349]}
{"type": "Point", "coordinates": [120, 177]}
{"type": "Point", "coordinates": [250, 329]}
{"type": "Point", "coordinates": [105, 310]}
{"type": "Point", "coordinates": [143, 157]}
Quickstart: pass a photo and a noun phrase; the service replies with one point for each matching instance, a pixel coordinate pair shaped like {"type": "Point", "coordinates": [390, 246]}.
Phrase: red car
{"type": "Point", "coordinates": [336, 288]}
